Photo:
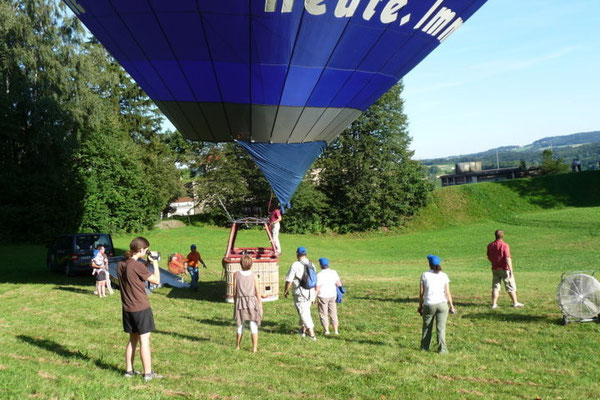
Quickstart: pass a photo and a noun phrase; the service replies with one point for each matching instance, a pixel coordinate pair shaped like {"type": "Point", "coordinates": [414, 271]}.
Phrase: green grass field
{"type": "Point", "coordinates": [58, 341]}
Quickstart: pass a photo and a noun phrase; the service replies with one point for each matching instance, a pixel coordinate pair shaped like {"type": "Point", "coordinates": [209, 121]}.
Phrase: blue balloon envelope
{"type": "Point", "coordinates": [280, 77]}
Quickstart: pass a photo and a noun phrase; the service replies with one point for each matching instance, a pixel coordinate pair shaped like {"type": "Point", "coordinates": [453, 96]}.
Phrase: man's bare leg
{"type": "Point", "coordinates": [513, 297]}
{"type": "Point", "coordinates": [495, 294]}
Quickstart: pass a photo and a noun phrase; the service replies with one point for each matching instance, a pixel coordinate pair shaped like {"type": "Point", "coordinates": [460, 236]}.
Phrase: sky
{"type": "Point", "coordinates": [515, 72]}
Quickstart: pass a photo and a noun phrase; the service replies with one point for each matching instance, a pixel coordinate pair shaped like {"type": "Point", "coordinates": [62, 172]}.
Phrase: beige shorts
{"type": "Point", "coordinates": [502, 275]}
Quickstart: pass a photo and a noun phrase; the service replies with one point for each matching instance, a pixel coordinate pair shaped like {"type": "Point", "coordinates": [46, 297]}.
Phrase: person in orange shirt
{"type": "Point", "coordinates": [191, 262]}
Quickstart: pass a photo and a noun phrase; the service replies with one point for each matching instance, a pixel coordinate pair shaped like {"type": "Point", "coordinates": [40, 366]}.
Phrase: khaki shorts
{"type": "Point", "coordinates": [501, 275]}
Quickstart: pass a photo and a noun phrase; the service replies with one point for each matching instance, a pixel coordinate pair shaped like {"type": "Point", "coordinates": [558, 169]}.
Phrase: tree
{"type": "Point", "coordinates": [309, 210]}
{"type": "Point", "coordinates": [551, 165]}
{"type": "Point", "coordinates": [226, 174]}
{"type": "Point", "coordinates": [37, 141]}
{"type": "Point", "coordinates": [68, 112]}
{"type": "Point", "coordinates": [368, 175]}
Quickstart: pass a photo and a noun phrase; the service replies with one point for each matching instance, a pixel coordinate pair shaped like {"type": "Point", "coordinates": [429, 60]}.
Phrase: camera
{"type": "Point", "coordinates": [153, 255]}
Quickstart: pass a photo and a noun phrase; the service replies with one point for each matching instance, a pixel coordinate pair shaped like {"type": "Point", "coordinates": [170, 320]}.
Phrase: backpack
{"type": "Point", "coordinates": [309, 277]}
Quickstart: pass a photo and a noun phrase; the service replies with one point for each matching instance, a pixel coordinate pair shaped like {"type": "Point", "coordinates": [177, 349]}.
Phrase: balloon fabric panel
{"type": "Point", "coordinates": [269, 71]}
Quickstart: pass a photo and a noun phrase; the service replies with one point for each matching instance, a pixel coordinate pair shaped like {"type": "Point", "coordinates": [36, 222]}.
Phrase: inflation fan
{"type": "Point", "coordinates": [578, 296]}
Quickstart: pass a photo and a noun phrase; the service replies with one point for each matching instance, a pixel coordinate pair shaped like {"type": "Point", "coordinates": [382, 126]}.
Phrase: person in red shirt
{"type": "Point", "coordinates": [274, 220]}
{"type": "Point", "coordinates": [191, 262]}
{"type": "Point", "coordinates": [498, 253]}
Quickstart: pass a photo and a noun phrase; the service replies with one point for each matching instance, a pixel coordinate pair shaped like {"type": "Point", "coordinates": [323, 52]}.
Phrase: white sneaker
{"type": "Point", "coordinates": [518, 305]}
{"type": "Point", "coordinates": [152, 375]}
{"type": "Point", "coordinates": [326, 332]}
{"type": "Point", "coordinates": [494, 306]}
{"type": "Point", "coordinates": [336, 332]}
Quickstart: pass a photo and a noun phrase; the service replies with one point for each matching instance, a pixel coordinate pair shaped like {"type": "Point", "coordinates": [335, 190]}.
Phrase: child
{"type": "Point", "coordinates": [98, 264]}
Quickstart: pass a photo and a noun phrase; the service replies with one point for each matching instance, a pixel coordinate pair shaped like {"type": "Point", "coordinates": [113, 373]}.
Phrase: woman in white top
{"type": "Point", "coordinates": [327, 282]}
{"type": "Point", "coordinates": [434, 298]}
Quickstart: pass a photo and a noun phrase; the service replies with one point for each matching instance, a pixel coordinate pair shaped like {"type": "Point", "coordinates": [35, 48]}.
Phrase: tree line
{"type": "Point", "coordinates": [588, 154]}
{"type": "Point", "coordinates": [83, 148]}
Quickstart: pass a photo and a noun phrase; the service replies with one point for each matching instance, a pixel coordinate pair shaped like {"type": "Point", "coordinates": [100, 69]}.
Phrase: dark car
{"type": "Point", "coordinates": [72, 254]}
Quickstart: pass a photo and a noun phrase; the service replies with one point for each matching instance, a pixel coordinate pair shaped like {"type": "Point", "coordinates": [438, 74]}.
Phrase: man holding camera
{"type": "Point", "coordinates": [138, 319]}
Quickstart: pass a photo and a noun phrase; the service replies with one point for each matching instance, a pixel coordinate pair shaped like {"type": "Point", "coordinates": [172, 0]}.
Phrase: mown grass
{"type": "Point", "coordinates": [58, 341]}
{"type": "Point", "coordinates": [503, 201]}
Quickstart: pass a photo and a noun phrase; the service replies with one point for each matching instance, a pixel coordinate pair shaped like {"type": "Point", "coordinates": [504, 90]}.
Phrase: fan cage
{"type": "Point", "coordinates": [578, 295]}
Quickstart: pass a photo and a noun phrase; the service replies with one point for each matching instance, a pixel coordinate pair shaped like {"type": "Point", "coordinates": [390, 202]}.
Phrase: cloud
{"type": "Point", "coordinates": [469, 74]}
{"type": "Point", "coordinates": [503, 65]}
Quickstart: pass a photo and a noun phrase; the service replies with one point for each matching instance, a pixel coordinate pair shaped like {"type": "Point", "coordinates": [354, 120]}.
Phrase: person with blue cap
{"type": "Point", "coordinates": [434, 298]}
{"type": "Point", "coordinates": [328, 281]}
{"type": "Point", "coordinates": [302, 278]}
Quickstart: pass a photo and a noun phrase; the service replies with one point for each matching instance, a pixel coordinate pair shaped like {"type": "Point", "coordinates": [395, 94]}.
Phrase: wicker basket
{"type": "Point", "coordinates": [268, 277]}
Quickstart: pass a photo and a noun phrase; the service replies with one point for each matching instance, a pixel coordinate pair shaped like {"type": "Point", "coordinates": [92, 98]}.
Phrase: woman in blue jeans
{"type": "Point", "coordinates": [434, 298]}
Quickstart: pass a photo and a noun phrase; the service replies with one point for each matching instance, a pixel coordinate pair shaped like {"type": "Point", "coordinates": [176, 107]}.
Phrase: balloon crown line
{"type": "Point", "coordinates": [439, 22]}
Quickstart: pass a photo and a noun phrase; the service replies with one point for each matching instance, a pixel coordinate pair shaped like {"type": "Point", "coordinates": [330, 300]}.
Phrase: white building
{"type": "Point", "coordinates": [182, 206]}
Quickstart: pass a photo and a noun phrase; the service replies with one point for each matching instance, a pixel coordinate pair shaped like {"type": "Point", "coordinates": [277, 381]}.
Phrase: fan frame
{"type": "Point", "coordinates": [567, 319]}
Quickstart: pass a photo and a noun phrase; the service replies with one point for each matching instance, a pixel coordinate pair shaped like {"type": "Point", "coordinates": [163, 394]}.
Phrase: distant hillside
{"type": "Point", "coordinates": [566, 140]}
{"type": "Point", "coordinates": [585, 146]}
{"type": "Point", "coordinates": [504, 201]}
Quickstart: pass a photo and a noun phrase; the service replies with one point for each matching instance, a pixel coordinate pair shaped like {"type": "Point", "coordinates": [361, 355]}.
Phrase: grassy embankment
{"type": "Point", "coordinates": [58, 341]}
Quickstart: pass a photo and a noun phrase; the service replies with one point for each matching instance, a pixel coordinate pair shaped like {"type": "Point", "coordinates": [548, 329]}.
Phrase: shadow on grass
{"type": "Point", "coordinates": [361, 341]}
{"type": "Point", "coordinates": [182, 336]}
{"type": "Point", "coordinates": [43, 276]}
{"type": "Point", "coordinates": [286, 329]}
{"type": "Point", "coordinates": [213, 291]}
{"type": "Point", "coordinates": [265, 326]}
{"type": "Point", "coordinates": [73, 290]}
{"type": "Point", "coordinates": [214, 321]}
{"type": "Point", "coordinates": [414, 300]}
{"type": "Point", "coordinates": [62, 351]}
{"type": "Point", "coordinates": [580, 189]}
{"type": "Point", "coordinates": [512, 317]}
{"type": "Point", "coordinates": [466, 304]}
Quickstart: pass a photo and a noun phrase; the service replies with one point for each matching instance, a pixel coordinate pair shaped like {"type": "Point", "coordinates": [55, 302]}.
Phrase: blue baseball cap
{"type": "Point", "coordinates": [193, 246]}
{"type": "Point", "coordinates": [433, 260]}
{"type": "Point", "coordinates": [324, 262]}
{"type": "Point", "coordinates": [301, 250]}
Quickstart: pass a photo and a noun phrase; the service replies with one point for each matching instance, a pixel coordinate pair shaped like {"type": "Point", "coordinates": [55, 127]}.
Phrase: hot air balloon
{"type": "Point", "coordinates": [281, 77]}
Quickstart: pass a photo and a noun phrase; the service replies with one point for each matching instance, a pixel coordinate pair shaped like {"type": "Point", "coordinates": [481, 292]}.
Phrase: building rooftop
{"type": "Point", "coordinates": [185, 199]}
{"type": "Point", "coordinates": [483, 172]}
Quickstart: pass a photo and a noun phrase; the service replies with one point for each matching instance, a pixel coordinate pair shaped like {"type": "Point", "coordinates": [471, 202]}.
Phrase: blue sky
{"type": "Point", "coordinates": [517, 71]}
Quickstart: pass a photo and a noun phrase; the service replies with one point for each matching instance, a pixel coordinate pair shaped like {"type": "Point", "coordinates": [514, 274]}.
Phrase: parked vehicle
{"type": "Point", "coordinates": [72, 254]}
